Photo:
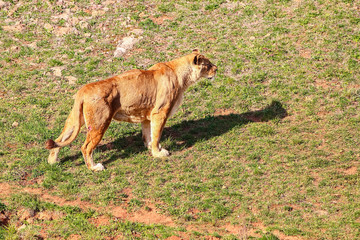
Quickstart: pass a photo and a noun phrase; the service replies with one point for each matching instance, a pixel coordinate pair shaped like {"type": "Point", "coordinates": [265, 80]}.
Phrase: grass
{"type": "Point", "coordinates": [270, 146]}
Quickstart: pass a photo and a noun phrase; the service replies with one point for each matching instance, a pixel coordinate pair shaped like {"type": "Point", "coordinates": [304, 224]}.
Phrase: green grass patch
{"type": "Point", "coordinates": [269, 146]}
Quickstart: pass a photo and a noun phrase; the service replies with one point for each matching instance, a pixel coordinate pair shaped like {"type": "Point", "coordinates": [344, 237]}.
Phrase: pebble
{"type": "Point", "coordinates": [72, 80]}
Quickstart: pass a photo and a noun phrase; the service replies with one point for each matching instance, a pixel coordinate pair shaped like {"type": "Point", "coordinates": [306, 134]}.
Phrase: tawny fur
{"type": "Point", "coordinates": [148, 97]}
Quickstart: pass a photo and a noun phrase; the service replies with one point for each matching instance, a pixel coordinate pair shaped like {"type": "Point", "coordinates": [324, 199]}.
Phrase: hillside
{"type": "Point", "coordinates": [268, 150]}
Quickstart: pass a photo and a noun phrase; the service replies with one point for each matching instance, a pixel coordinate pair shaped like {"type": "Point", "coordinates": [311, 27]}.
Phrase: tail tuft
{"type": "Point", "coordinates": [50, 144]}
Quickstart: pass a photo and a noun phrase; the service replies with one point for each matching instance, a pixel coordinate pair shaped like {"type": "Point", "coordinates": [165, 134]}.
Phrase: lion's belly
{"type": "Point", "coordinates": [133, 117]}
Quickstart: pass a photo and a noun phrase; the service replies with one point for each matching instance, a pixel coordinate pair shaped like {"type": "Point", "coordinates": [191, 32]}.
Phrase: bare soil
{"type": "Point", "coordinates": [148, 214]}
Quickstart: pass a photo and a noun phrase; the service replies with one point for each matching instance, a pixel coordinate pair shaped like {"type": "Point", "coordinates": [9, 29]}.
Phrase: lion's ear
{"type": "Point", "coordinates": [196, 51]}
{"type": "Point", "coordinates": [198, 59]}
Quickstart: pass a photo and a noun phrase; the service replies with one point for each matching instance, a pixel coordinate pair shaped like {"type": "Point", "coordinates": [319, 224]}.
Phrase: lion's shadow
{"type": "Point", "coordinates": [185, 134]}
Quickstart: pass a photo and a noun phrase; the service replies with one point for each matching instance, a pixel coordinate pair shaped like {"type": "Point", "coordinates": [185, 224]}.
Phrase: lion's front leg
{"type": "Point", "coordinates": [158, 121]}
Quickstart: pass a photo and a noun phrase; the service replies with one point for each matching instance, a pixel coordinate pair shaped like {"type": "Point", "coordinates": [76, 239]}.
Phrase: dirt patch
{"type": "Point", "coordinates": [100, 221]}
{"type": "Point", "coordinates": [174, 238]}
{"type": "Point", "coordinates": [350, 171]}
{"type": "Point", "coordinates": [160, 20]}
{"type": "Point", "coordinates": [224, 112]}
{"type": "Point", "coordinates": [5, 189]}
{"type": "Point", "coordinates": [335, 85]}
{"type": "Point", "coordinates": [148, 214]}
{"type": "Point", "coordinates": [44, 196]}
{"type": "Point", "coordinates": [282, 236]}
{"type": "Point", "coordinates": [305, 53]}
{"type": "Point", "coordinates": [75, 237]}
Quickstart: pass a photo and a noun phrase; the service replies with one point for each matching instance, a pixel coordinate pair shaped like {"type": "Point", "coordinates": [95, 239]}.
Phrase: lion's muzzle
{"type": "Point", "coordinates": [212, 72]}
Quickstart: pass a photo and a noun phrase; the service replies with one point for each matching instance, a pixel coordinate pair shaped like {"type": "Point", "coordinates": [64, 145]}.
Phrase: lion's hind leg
{"type": "Point", "coordinates": [96, 128]}
{"type": "Point", "coordinates": [146, 133]}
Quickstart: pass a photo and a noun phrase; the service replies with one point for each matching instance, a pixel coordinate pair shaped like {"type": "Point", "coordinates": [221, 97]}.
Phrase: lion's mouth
{"type": "Point", "coordinates": [211, 78]}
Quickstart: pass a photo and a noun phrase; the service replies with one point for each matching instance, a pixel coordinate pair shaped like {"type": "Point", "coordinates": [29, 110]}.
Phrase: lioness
{"type": "Point", "coordinates": [148, 97]}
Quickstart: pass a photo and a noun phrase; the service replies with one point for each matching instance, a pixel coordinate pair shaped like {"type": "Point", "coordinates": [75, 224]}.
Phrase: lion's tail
{"type": "Point", "coordinates": [71, 128]}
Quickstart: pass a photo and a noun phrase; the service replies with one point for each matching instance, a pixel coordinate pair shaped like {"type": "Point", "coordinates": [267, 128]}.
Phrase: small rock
{"type": "Point", "coordinates": [83, 24]}
{"type": "Point", "coordinates": [322, 212]}
{"type": "Point", "coordinates": [74, 21]}
{"type": "Point", "coordinates": [15, 124]}
{"type": "Point", "coordinates": [47, 216]}
{"type": "Point", "coordinates": [22, 227]}
{"type": "Point", "coordinates": [63, 31]}
{"type": "Point", "coordinates": [48, 26]}
{"type": "Point", "coordinates": [32, 45]}
{"type": "Point", "coordinates": [72, 80]}
{"type": "Point", "coordinates": [3, 4]}
{"type": "Point", "coordinates": [137, 31]}
{"type": "Point", "coordinates": [252, 38]}
{"type": "Point", "coordinates": [57, 71]}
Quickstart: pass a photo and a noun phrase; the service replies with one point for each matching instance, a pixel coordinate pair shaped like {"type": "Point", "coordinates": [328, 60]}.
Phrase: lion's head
{"type": "Point", "coordinates": [205, 68]}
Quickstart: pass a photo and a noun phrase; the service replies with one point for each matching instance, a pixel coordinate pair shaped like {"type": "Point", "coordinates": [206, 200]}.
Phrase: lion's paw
{"type": "Point", "coordinates": [98, 167]}
{"type": "Point", "coordinates": [162, 153]}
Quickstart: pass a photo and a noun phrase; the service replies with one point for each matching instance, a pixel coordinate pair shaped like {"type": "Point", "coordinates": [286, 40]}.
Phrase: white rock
{"type": "Point", "coordinates": [126, 44]}
{"type": "Point", "coordinates": [15, 124]}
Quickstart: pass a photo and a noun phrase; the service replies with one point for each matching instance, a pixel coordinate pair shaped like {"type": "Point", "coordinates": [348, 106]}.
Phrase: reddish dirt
{"type": "Point", "coordinates": [148, 214]}
{"type": "Point", "coordinates": [351, 171]}
{"type": "Point", "coordinates": [160, 20]}
{"type": "Point", "coordinates": [305, 53]}
{"type": "Point", "coordinates": [100, 221]}
{"type": "Point", "coordinates": [174, 238]}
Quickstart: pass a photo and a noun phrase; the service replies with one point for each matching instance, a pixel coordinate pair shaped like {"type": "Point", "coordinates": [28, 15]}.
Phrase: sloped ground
{"type": "Point", "coordinates": [268, 150]}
